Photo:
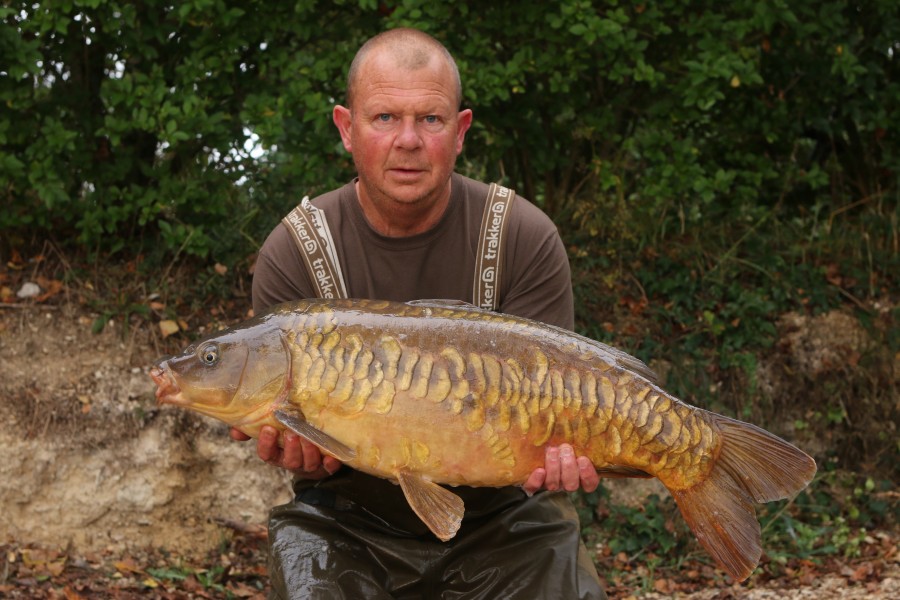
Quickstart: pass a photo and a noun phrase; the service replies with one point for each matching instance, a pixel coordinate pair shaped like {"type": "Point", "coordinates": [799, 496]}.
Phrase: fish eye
{"type": "Point", "coordinates": [209, 355]}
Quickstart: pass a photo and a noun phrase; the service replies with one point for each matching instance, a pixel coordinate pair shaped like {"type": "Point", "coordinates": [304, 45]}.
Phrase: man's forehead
{"type": "Point", "coordinates": [416, 87]}
{"type": "Point", "coordinates": [393, 91]}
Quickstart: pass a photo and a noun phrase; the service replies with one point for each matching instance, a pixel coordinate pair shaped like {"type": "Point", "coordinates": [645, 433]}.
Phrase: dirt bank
{"type": "Point", "coordinates": [90, 459]}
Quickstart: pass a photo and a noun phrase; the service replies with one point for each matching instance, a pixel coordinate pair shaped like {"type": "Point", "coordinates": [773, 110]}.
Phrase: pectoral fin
{"type": "Point", "coordinates": [439, 508]}
{"type": "Point", "coordinates": [293, 420]}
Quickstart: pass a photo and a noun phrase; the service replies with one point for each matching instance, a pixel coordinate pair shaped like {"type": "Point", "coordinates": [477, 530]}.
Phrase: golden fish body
{"type": "Point", "coordinates": [432, 392]}
{"type": "Point", "coordinates": [416, 394]}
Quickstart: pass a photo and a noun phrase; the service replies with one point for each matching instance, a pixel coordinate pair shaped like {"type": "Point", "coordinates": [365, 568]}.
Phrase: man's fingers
{"type": "Point", "coordinates": [568, 468]}
{"type": "Point", "coordinates": [551, 464]}
{"type": "Point", "coordinates": [331, 464]}
{"type": "Point", "coordinates": [535, 481]}
{"type": "Point", "coordinates": [312, 456]}
{"type": "Point", "coordinates": [296, 455]}
{"type": "Point", "coordinates": [588, 474]}
{"type": "Point", "coordinates": [238, 435]}
{"type": "Point", "coordinates": [267, 445]}
{"type": "Point", "coordinates": [292, 454]}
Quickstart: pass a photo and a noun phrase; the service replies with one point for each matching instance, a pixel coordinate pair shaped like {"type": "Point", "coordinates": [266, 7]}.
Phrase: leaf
{"type": "Point", "coordinates": [72, 594]}
{"type": "Point", "coordinates": [127, 566]}
{"type": "Point", "coordinates": [578, 29]}
{"type": "Point", "coordinates": [168, 327]}
{"type": "Point", "coordinates": [99, 323]}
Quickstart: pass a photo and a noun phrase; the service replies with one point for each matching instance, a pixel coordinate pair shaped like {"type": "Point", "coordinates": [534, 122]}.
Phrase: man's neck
{"type": "Point", "coordinates": [400, 219]}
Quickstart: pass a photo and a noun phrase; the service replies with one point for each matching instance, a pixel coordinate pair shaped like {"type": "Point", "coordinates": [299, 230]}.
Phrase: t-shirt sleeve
{"type": "Point", "coordinates": [539, 279]}
{"type": "Point", "coordinates": [280, 274]}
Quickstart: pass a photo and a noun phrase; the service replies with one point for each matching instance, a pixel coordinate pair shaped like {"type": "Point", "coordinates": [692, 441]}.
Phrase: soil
{"type": "Point", "coordinates": [99, 486]}
{"type": "Point", "coordinates": [90, 459]}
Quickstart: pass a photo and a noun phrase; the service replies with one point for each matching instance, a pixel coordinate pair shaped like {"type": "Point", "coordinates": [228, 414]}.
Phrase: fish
{"type": "Point", "coordinates": [432, 394]}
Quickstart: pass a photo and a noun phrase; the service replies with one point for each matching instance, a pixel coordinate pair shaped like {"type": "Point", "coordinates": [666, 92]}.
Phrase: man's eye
{"type": "Point", "coordinates": [384, 117]}
{"type": "Point", "coordinates": [431, 119]}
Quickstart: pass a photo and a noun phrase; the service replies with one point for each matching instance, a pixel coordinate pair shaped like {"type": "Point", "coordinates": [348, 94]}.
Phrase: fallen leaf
{"type": "Point", "coordinates": [168, 327]}
{"type": "Point", "coordinates": [72, 594]}
{"type": "Point", "coordinates": [242, 590]}
{"type": "Point", "coordinates": [221, 269]}
{"type": "Point", "coordinates": [51, 287]}
{"type": "Point", "coordinates": [862, 573]}
{"type": "Point", "coordinates": [127, 566]}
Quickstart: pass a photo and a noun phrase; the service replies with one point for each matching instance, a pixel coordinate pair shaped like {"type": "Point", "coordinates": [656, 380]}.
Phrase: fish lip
{"type": "Point", "coordinates": [167, 390]}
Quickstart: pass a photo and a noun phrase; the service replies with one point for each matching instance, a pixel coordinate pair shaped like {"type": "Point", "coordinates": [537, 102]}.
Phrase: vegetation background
{"type": "Point", "coordinates": [717, 170]}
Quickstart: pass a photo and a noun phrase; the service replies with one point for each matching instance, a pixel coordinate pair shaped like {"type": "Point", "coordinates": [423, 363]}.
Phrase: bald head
{"type": "Point", "coordinates": [410, 49]}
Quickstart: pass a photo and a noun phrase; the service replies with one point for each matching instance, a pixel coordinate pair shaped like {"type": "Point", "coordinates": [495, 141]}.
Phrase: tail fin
{"type": "Point", "coordinates": [753, 465]}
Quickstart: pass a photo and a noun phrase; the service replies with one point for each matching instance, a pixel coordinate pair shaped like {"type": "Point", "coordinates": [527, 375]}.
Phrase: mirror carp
{"type": "Point", "coordinates": [435, 393]}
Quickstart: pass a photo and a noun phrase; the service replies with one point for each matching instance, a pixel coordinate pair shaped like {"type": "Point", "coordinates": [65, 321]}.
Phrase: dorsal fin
{"type": "Point", "coordinates": [444, 303]}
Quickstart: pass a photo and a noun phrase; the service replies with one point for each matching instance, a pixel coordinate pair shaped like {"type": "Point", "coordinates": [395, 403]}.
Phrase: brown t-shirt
{"type": "Point", "coordinates": [437, 264]}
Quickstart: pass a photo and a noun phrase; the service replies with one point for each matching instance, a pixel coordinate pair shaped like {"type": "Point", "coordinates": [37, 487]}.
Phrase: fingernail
{"type": "Point", "coordinates": [566, 451]}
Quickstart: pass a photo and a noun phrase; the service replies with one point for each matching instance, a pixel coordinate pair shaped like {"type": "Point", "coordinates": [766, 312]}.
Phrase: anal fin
{"type": "Point", "coordinates": [439, 508]}
{"type": "Point", "coordinates": [293, 420]}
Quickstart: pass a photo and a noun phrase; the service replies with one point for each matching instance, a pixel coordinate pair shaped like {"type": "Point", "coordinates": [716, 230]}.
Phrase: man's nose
{"type": "Point", "coordinates": [408, 136]}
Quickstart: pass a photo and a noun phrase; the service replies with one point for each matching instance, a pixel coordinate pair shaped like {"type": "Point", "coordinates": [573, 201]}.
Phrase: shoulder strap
{"type": "Point", "coordinates": [309, 229]}
{"type": "Point", "coordinates": [490, 246]}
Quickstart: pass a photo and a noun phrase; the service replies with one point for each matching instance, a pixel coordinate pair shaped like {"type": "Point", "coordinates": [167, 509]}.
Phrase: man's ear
{"type": "Point", "coordinates": [463, 122]}
{"type": "Point", "coordinates": [342, 120]}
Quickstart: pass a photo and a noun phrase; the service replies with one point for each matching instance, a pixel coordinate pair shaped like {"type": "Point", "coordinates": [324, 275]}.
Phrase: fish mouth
{"type": "Point", "coordinates": [167, 390]}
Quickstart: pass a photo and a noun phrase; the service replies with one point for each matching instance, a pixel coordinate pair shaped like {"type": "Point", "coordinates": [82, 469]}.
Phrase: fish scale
{"type": "Point", "coordinates": [432, 392]}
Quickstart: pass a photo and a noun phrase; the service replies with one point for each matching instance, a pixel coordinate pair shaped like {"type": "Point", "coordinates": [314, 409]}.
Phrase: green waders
{"type": "Point", "coordinates": [323, 545]}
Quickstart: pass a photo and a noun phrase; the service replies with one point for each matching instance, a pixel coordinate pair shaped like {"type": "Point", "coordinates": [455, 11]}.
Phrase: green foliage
{"type": "Point", "coordinates": [652, 528]}
{"type": "Point", "coordinates": [124, 125]}
{"type": "Point", "coordinates": [832, 517]}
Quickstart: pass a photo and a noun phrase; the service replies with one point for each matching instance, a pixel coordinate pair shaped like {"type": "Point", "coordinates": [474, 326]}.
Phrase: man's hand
{"type": "Point", "coordinates": [297, 455]}
{"type": "Point", "coordinates": [562, 470]}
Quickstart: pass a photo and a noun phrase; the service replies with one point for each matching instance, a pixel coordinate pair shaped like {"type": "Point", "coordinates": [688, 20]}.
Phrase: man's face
{"type": "Point", "coordinates": [404, 130]}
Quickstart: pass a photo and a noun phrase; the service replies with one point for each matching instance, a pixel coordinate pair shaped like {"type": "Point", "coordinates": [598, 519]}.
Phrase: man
{"type": "Point", "coordinates": [406, 229]}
